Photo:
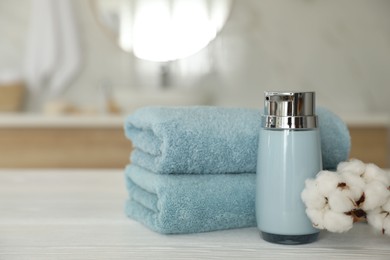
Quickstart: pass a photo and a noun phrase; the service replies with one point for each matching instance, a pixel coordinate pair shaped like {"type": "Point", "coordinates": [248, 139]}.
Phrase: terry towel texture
{"type": "Point", "coordinates": [190, 203]}
{"type": "Point", "coordinates": [198, 140]}
{"type": "Point", "coordinates": [193, 168]}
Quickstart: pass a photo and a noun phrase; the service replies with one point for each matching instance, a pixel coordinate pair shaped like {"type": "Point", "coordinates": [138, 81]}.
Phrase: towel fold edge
{"type": "Point", "coordinates": [142, 196]}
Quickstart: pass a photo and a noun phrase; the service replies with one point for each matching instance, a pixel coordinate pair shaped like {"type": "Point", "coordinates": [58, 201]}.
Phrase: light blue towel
{"type": "Point", "coordinates": [190, 203]}
{"type": "Point", "coordinates": [204, 139]}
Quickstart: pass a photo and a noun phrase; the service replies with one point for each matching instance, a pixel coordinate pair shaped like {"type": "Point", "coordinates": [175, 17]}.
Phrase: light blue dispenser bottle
{"type": "Point", "coordinates": [289, 153]}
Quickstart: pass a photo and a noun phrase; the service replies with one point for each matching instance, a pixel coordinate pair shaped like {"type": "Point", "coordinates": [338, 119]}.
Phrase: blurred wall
{"type": "Point", "coordinates": [339, 48]}
{"type": "Point", "coordinates": [13, 28]}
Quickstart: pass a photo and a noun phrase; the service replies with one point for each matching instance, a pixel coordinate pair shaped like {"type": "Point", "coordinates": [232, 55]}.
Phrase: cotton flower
{"type": "Point", "coordinates": [327, 199]}
{"type": "Point", "coordinates": [317, 217]}
{"type": "Point", "coordinates": [354, 183]}
{"type": "Point", "coordinates": [376, 194]}
{"type": "Point", "coordinates": [337, 222]}
{"type": "Point", "coordinates": [380, 220]}
{"type": "Point", "coordinates": [356, 192]}
{"type": "Point", "coordinates": [327, 182]}
{"type": "Point", "coordinates": [374, 173]}
{"type": "Point", "coordinates": [312, 198]}
{"type": "Point", "coordinates": [386, 206]}
{"type": "Point", "coordinates": [340, 201]}
{"type": "Point", "coordinates": [354, 166]}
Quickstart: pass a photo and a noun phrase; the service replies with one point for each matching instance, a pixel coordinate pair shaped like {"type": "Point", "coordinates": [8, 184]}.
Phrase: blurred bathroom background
{"type": "Point", "coordinates": [71, 70]}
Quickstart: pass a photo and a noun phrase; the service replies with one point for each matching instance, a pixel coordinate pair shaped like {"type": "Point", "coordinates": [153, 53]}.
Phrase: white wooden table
{"type": "Point", "coordinates": [78, 214]}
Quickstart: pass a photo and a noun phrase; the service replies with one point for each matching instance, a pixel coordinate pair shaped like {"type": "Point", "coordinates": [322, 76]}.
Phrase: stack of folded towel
{"type": "Point", "coordinates": [193, 168]}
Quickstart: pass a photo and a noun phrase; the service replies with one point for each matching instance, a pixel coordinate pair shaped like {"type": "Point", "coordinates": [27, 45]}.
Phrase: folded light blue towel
{"type": "Point", "coordinates": [205, 139]}
{"type": "Point", "coordinates": [190, 203]}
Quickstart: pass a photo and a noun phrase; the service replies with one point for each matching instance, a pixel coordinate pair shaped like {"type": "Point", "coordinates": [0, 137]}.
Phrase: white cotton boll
{"type": "Point", "coordinates": [311, 197]}
{"type": "Point", "coordinates": [376, 219]}
{"type": "Point", "coordinates": [340, 201]}
{"type": "Point", "coordinates": [374, 173]}
{"type": "Point", "coordinates": [387, 173]}
{"type": "Point", "coordinates": [386, 206]}
{"type": "Point", "coordinates": [354, 166]}
{"type": "Point", "coordinates": [376, 194]}
{"type": "Point", "coordinates": [327, 182]}
{"type": "Point", "coordinates": [386, 225]}
{"type": "Point", "coordinates": [316, 217]}
{"type": "Point", "coordinates": [337, 222]}
{"type": "Point", "coordinates": [355, 184]}
{"type": "Point", "coordinates": [310, 184]}
{"type": "Point", "coordinates": [380, 220]}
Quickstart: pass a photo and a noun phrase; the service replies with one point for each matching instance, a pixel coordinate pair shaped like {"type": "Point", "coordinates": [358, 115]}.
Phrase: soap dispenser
{"type": "Point", "coordinates": [289, 153]}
